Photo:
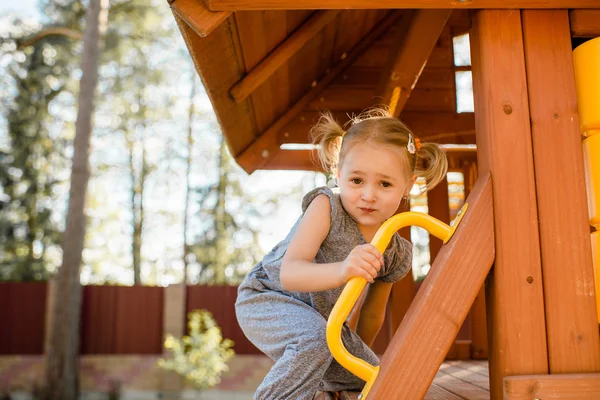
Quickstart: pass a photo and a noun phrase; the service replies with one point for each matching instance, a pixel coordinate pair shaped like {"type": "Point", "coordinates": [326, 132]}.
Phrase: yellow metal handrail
{"type": "Point", "coordinates": [354, 287]}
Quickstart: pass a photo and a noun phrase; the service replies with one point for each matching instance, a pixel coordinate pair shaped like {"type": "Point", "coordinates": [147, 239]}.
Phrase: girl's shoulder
{"type": "Point", "coordinates": [338, 215]}
{"type": "Point", "coordinates": [332, 194]}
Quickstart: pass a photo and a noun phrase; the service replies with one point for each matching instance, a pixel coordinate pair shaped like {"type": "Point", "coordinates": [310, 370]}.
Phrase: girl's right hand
{"type": "Point", "coordinates": [364, 261]}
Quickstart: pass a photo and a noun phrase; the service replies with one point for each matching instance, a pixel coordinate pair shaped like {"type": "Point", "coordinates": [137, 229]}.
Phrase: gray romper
{"type": "Point", "coordinates": [289, 327]}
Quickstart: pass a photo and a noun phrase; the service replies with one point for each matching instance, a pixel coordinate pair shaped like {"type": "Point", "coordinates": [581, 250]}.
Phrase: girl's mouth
{"type": "Point", "coordinates": [366, 210]}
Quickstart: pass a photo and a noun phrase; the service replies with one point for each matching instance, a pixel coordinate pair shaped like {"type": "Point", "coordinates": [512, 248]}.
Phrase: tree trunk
{"type": "Point", "coordinates": [190, 146]}
{"type": "Point", "coordinates": [63, 363]}
{"type": "Point", "coordinates": [220, 212]}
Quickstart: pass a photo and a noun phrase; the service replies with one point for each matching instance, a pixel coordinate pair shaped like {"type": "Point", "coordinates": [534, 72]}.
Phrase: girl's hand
{"type": "Point", "coordinates": [364, 261]}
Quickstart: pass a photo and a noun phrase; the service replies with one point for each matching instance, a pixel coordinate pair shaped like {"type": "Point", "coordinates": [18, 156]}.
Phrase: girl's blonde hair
{"type": "Point", "coordinates": [377, 125]}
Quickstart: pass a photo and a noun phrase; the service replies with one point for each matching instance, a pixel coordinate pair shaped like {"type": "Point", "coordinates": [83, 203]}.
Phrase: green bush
{"type": "Point", "coordinates": [202, 356]}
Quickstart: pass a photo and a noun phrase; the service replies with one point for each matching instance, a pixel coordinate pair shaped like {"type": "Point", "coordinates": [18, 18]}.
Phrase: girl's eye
{"type": "Point", "coordinates": [356, 181]}
{"type": "Point", "coordinates": [386, 184]}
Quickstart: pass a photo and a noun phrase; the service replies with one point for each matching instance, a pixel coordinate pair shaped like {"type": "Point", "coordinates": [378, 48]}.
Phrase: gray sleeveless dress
{"type": "Point", "coordinates": [289, 327]}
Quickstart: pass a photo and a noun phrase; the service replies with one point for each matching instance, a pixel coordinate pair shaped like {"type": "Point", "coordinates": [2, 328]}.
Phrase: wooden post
{"type": "Point", "coordinates": [50, 299]}
{"type": "Point", "coordinates": [428, 331]}
{"type": "Point", "coordinates": [479, 339]}
{"type": "Point", "coordinates": [573, 342]}
{"type": "Point", "coordinates": [515, 295]}
{"type": "Point", "coordinates": [437, 201]}
{"type": "Point", "coordinates": [174, 322]}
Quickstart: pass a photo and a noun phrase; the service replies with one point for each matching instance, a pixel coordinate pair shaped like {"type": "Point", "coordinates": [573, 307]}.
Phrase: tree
{"type": "Point", "coordinates": [229, 225]}
{"type": "Point", "coordinates": [36, 79]}
{"type": "Point", "coordinates": [62, 363]}
{"type": "Point", "coordinates": [188, 168]}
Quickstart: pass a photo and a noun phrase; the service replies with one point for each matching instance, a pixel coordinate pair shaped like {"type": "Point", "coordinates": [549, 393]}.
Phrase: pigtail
{"type": "Point", "coordinates": [432, 164]}
{"type": "Point", "coordinates": [326, 133]}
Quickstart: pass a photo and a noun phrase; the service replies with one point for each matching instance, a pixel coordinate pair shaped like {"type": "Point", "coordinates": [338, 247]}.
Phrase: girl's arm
{"type": "Point", "coordinates": [298, 271]}
{"type": "Point", "coordinates": [372, 313]}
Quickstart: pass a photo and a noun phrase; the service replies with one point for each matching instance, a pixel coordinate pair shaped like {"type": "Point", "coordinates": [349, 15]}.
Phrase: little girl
{"type": "Point", "coordinates": [284, 302]}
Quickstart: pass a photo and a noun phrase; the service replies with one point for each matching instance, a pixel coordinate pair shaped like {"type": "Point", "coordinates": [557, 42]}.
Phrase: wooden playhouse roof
{"type": "Point", "coordinates": [269, 73]}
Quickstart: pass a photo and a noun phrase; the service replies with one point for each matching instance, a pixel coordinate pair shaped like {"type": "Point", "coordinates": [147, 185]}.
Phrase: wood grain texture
{"type": "Point", "coordinates": [555, 386]}
{"type": "Point", "coordinates": [439, 207]}
{"type": "Point", "coordinates": [571, 326]}
{"type": "Point", "coordinates": [515, 302]}
{"type": "Point", "coordinates": [441, 305]}
{"type": "Point", "coordinates": [233, 5]}
{"type": "Point", "coordinates": [265, 147]}
{"type": "Point", "coordinates": [219, 71]}
{"type": "Point", "coordinates": [282, 53]}
{"type": "Point", "coordinates": [445, 127]}
{"type": "Point", "coordinates": [198, 16]}
{"type": "Point", "coordinates": [585, 23]}
{"type": "Point", "coordinates": [408, 56]}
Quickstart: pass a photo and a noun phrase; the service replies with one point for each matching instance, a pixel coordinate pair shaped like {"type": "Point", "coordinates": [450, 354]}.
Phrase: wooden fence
{"type": "Point", "coordinates": [126, 320]}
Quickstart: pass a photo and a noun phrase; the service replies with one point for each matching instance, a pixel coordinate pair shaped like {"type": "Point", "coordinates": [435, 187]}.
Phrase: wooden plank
{"type": "Point", "coordinates": [439, 207]}
{"type": "Point", "coordinates": [260, 33]}
{"type": "Point", "coordinates": [573, 342]}
{"type": "Point", "coordinates": [479, 339]}
{"type": "Point", "coordinates": [436, 392]}
{"type": "Point", "coordinates": [233, 5]}
{"type": "Point", "coordinates": [198, 16]}
{"type": "Point", "coordinates": [403, 291]}
{"type": "Point", "coordinates": [585, 23]}
{"type": "Point", "coordinates": [515, 294]}
{"type": "Point", "coordinates": [466, 384]}
{"type": "Point", "coordinates": [216, 60]}
{"type": "Point", "coordinates": [555, 386]}
{"type": "Point", "coordinates": [265, 146]}
{"type": "Point", "coordinates": [376, 56]}
{"type": "Point", "coordinates": [369, 77]}
{"type": "Point", "coordinates": [302, 160]}
{"type": "Point", "coordinates": [441, 305]}
{"type": "Point", "coordinates": [444, 127]}
{"type": "Point", "coordinates": [274, 60]}
{"type": "Point", "coordinates": [347, 98]}
{"type": "Point", "coordinates": [460, 350]}
{"type": "Point", "coordinates": [408, 57]}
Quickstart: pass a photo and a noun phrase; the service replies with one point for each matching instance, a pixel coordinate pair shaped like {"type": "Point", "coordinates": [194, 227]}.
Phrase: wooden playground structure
{"type": "Point", "coordinates": [522, 257]}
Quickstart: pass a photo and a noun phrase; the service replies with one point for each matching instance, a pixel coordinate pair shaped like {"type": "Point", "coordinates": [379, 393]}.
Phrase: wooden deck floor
{"type": "Point", "coordinates": [466, 380]}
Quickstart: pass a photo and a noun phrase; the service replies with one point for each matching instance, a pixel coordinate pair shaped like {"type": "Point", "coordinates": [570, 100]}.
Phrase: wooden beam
{"type": "Point", "coordinates": [444, 127]}
{"type": "Point", "coordinates": [479, 340]}
{"type": "Point", "coordinates": [198, 16]}
{"type": "Point", "coordinates": [345, 98]}
{"type": "Point", "coordinates": [516, 321]}
{"type": "Point", "coordinates": [408, 57]}
{"type": "Point", "coordinates": [257, 154]}
{"type": "Point", "coordinates": [238, 5]}
{"type": "Point", "coordinates": [559, 174]}
{"type": "Point", "coordinates": [441, 305]}
{"type": "Point", "coordinates": [555, 386]}
{"type": "Point", "coordinates": [439, 207]}
{"type": "Point", "coordinates": [274, 60]}
{"type": "Point", "coordinates": [585, 23]}
{"type": "Point", "coordinates": [219, 71]}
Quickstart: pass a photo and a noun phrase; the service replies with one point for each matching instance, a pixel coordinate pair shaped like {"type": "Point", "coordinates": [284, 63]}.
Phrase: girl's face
{"type": "Point", "coordinates": [373, 179]}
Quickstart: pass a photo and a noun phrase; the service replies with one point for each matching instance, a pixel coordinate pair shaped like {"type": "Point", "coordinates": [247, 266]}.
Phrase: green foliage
{"type": "Point", "coordinates": [227, 242]}
{"type": "Point", "coordinates": [33, 155]}
{"type": "Point", "coordinates": [201, 357]}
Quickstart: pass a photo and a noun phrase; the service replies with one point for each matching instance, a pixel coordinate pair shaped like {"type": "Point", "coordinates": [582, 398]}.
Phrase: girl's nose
{"type": "Point", "coordinates": [368, 194]}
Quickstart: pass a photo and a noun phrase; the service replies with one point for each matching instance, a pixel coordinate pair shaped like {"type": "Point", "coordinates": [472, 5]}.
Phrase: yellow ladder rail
{"type": "Point", "coordinates": [354, 287]}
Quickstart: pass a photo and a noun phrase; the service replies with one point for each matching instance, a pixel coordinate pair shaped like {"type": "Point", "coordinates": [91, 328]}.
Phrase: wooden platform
{"type": "Point", "coordinates": [461, 380]}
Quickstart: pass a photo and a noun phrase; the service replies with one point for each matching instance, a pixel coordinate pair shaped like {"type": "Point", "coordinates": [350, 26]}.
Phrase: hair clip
{"type": "Point", "coordinates": [418, 144]}
{"type": "Point", "coordinates": [410, 146]}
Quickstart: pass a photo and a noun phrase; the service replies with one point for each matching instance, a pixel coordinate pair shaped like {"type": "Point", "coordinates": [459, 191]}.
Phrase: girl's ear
{"type": "Point", "coordinates": [411, 184]}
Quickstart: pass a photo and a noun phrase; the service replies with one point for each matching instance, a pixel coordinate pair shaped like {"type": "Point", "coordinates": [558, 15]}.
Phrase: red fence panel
{"type": "Point", "coordinates": [122, 320]}
{"type": "Point", "coordinates": [220, 301]}
{"type": "Point", "coordinates": [22, 310]}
